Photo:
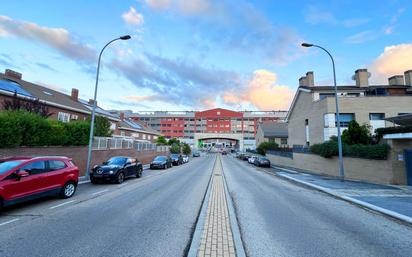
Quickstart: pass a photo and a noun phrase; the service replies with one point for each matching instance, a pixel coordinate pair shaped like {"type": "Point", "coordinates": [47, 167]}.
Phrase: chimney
{"type": "Point", "coordinates": [408, 78]}
{"type": "Point", "coordinates": [362, 77]}
{"type": "Point", "coordinates": [122, 116]}
{"type": "Point", "coordinates": [396, 80]}
{"type": "Point", "coordinates": [75, 94]}
{"type": "Point", "coordinates": [309, 79]}
{"type": "Point", "coordinates": [303, 81]}
{"type": "Point", "coordinates": [13, 74]}
{"type": "Point", "coordinates": [91, 102]}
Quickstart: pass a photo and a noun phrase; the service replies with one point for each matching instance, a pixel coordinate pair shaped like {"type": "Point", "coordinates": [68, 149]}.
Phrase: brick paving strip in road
{"type": "Point", "coordinates": [217, 238]}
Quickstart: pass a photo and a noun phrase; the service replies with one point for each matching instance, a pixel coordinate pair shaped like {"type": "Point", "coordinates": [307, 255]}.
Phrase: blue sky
{"type": "Point", "coordinates": [191, 55]}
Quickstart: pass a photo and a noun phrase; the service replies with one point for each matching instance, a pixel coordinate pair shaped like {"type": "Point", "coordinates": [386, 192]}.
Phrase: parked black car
{"type": "Point", "coordinates": [246, 157]}
{"type": "Point", "coordinates": [262, 162]}
{"type": "Point", "coordinates": [116, 169]}
{"type": "Point", "coordinates": [161, 162]}
{"type": "Point", "coordinates": [177, 159]}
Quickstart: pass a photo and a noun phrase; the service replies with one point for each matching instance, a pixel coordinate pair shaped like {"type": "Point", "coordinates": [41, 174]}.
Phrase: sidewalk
{"type": "Point", "coordinates": [391, 200]}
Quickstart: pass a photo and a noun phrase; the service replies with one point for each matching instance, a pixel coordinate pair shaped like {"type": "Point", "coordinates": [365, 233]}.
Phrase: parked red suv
{"type": "Point", "coordinates": [26, 178]}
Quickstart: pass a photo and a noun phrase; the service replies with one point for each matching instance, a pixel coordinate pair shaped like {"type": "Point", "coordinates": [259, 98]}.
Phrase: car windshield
{"type": "Point", "coordinates": [174, 156]}
{"type": "Point", "coordinates": [6, 166]}
{"type": "Point", "coordinates": [160, 158]}
{"type": "Point", "coordinates": [116, 161]}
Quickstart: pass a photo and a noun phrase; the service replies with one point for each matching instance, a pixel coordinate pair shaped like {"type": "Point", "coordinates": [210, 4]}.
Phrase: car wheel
{"type": "Point", "coordinates": [164, 166]}
{"type": "Point", "coordinates": [139, 172]}
{"type": "Point", "coordinates": [68, 190]}
{"type": "Point", "coordinates": [93, 181]}
{"type": "Point", "coordinates": [120, 178]}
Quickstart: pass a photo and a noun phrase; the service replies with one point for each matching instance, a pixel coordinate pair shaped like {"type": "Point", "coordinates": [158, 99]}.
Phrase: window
{"type": "Point", "coordinates": [306, 122]}
{"type": "Point", "coordinates": [74, 117]}
{"type": "Point", "coordinates": [218, 113]}
{"type": "Point", "coordinates": [376, 116]}
{"type": "Point", "coordinates": [35, 167]}
{"type": "Point", "coordinates": [112, 126]}
{"type": "Point", "coordinates": [122, 133]}
{"type": "Point", "coordinates": [56, 165]}
{"type": "Point", "coordinates": [149, 137]}
{"type": "Point", "coordinates": [345, 119]}
{"type": "Point", "coordinates": [283, 141]}
{"type": "Point", "coordinates": [324, 95]}
{"type": "Point", "coordinates": [64, 117]}
{"type": "Point", "coordinates": [144, 136]}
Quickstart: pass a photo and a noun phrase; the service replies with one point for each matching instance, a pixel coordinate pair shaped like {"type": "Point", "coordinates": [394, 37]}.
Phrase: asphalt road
{"type": "Point", "coordinates": [279, 218]}
{"type": "Point", "coordinates": [150, 216]}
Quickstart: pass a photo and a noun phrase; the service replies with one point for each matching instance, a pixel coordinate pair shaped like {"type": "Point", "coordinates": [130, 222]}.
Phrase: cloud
{"type": "Point", "coordinates": [184, 7]}
{"type": "Point", "coordinates": [132, 17]}
{"type": "Point", "coordinates": [57, 38]}
{"type": "Point", "coordinates": [263, 92]}
{"type": "Point", "coordinates": [362, 37]}
{"type": "Point", "coordinates": [139, 98]}
{"type": "Point", "coordinates": [354, 22]}
{"type": "Point", "coordinates": [236, 27]}
{"type": "Point", "coordinates": [314, 15]}
{"type": "Point", "coordinates": [389, 28]}
{"type": "Point", "coordinates": [394, 60]}
{"type": "Point", "coordinates": [45, 66]}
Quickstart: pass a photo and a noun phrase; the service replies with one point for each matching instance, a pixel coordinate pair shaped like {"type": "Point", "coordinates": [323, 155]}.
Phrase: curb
{"type": "Point", "coordinates": [83, 180]}
{"type": "Point", "coordinates": [387, 212]}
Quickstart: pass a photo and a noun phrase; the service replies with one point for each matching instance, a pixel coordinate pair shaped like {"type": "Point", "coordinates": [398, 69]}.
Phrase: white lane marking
{"type": "Point", "coordinates": [7, 222]}
{"type": "Point", "coordinates": [99, 192]}
{"type": "Point", "coordinates": [56, 206]}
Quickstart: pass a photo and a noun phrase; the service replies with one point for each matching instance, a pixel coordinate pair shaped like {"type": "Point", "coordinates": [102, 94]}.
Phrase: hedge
{"type": "Point", "coordinates": [330, 149]}
{"type": "Point", "coordinates": [22, 128]}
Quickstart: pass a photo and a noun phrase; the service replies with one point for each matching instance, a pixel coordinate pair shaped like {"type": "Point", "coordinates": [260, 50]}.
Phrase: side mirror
{"type": "Point", "coordinates": [22, 174]}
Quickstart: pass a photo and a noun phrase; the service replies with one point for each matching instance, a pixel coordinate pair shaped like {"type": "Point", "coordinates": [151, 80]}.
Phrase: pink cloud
{"type": "Point", "coordinates": [394, 60]}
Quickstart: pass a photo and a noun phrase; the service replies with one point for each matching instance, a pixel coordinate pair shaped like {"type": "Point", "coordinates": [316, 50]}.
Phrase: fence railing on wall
{"type": "Point", "coordinates": [105, 143]}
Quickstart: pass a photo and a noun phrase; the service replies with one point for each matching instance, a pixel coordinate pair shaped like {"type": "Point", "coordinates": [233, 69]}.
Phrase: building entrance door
{"type": "Point", "coordinates": [408, 163]}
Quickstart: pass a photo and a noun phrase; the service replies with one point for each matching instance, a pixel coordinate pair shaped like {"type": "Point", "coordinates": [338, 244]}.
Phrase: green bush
{"type": "Point", "coordinates": [10, 132]}
{"type": "Point", "coordinates": [356, 134]}
{"type": "Point", "coordinates": [330, 149]}
{"type": "Point", "coordinates": [22, 128]}
{"type": "Point", "coordinates": [186, 149]}
{"type": "Point", "coordinates": [102, 127]}
{"type": "Point", "coordinates": [175, 148]}
{"type": "Point", "coordinates": [265, 146]}
{"type": "Point", "coordinates": [161, 140]}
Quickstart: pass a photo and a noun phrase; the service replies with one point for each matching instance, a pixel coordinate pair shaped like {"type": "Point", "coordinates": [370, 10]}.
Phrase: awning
{"type": "Point", "coordinates": [404, 119]}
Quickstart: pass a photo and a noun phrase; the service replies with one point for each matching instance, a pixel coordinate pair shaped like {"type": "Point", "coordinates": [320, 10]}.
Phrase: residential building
{"type": "Point", "coordinates": [137, 130]}
{"type": "Point", "coordinates": [214, 127]}
{"type": "Point", "coordinates": [312, 115]}
{"type": "Point", "coordinates": [272, 132]}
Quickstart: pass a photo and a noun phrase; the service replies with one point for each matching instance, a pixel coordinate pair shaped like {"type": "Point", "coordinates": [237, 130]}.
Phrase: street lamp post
{"type": "Point", "coordinates": [89, 151]}
{"type": "Point", "coordinates": [341, 169]}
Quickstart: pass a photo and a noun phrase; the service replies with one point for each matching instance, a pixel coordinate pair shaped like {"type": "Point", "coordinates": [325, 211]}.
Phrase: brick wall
{"type": "Point", "coordinates": [79, 154]}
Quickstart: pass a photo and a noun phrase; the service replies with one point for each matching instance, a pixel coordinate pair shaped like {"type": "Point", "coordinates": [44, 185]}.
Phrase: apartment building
{"type": "Point", "coordinates": [210, 127]}
{"type": "Point", "coordinates": [312, 115]}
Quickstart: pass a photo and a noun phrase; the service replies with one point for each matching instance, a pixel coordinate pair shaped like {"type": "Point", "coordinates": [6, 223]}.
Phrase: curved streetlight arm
{"type": "Point", "coordinates": [340, 150]}
{"type": "Point", "coordinates": [89, 151]}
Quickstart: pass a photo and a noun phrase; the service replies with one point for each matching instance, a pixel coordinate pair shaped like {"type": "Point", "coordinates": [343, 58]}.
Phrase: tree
{"type": "Point", "coordinates": [34, 106]}
{"type": "Point", "coordinates": [263, 147]}
{"type": "Point", "coordinates": [356, 134]}
{"type": "Point", "coordinates": [173, 141]}
{"type": "Point", "coordinates": [175, 148]}
{"type": "Point", "coordinates": [186, 149]}
{"type": "Point", "coordinates": [102, 127]}
{"type": "Point", "coordinates": [161, 140]}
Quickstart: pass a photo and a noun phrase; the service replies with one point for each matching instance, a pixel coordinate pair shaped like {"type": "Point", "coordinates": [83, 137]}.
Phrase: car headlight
{"type": "Point", "coordinates": [111, 172]}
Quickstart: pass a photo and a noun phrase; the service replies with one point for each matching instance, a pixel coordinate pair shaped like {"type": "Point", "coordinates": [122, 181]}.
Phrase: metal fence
{"type": "Point", "coordinates": [106, 143]}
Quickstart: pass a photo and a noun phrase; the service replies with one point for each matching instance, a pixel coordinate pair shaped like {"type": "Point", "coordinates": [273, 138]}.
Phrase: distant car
{"type": "Point", "coordinates": [26, 178]}
{"type": "Point", "coordinates": [262, 162]}
{"type": "Point", "coordinates": [177, 159]}
{"type": "Point", "coordinates": [245, 157]}
{"type": "Point", "coordinates": [185, 159]}
{"type": "Point", "coordinates": [161, 162]}
{"type": "Point", "coordinates": [116, 169]}
{"type": "Point", "coordinates": [196, 154]}
{"type": "Point", "coordinates": [224, 152]}
{"type": "Point", "coordinates": [252, 159]}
